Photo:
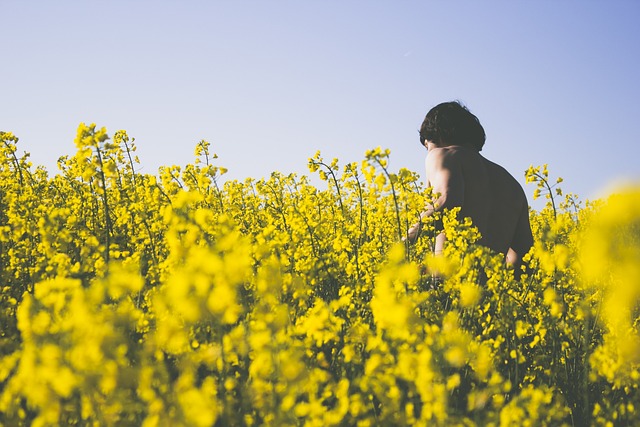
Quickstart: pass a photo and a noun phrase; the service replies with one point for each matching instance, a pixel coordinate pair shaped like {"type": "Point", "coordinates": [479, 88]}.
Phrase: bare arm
{"type": "Point", "coordinates": [522, 238]}
{"type": "Point", "coordinates": [444, 175]}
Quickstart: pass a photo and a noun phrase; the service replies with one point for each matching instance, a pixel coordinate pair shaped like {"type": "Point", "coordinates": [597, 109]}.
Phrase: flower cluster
{"type": "Point", "coordinates": [184, 300]}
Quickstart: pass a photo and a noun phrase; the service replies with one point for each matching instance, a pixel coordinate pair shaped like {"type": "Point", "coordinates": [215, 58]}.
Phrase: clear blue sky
{"type": "Point", "coordinates": [270, 82]}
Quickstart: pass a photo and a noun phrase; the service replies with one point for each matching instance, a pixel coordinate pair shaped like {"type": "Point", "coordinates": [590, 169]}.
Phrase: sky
{"type": "Point", "coordinates": [268, 83]}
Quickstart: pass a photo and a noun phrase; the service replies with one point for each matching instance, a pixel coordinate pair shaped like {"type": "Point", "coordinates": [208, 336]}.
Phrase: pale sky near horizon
{"type": "Point", "coordinates": [269, 83]}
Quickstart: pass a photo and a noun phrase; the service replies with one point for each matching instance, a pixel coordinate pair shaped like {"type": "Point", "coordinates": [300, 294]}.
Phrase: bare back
{"type": "Point", "coordinates": [486, 193]}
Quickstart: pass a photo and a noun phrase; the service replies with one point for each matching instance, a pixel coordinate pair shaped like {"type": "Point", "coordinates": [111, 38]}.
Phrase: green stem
{"type": "Point", "coordinates": [395, 198]}
{"type": "Point", "coordinates": [107, 215]}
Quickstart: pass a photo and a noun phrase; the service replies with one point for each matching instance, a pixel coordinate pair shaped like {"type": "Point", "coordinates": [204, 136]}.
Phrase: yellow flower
{"type": "Point", "coordinates": [469, 294]}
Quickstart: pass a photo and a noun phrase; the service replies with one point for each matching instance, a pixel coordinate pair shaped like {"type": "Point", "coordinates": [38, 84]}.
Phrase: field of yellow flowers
{"type": "Point", "coordinates": [131, 299]}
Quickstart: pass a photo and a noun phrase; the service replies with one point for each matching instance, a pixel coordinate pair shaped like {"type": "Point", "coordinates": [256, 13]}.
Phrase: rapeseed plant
{"type": "Point", "coordinates": [180, 299]}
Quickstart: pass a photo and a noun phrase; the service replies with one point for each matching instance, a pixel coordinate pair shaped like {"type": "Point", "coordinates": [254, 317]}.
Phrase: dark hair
{"type": "Point", "coordinates": [451, 123]}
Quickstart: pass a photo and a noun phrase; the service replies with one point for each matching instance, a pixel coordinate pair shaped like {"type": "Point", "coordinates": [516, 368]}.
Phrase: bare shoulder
{"type": "Point", "coordinates": [441, 156]}
{"type": "Point", "coordinates": [453, 157]}
{"type": "Point", "coordinates": [451, 150]}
